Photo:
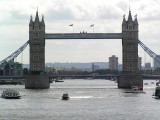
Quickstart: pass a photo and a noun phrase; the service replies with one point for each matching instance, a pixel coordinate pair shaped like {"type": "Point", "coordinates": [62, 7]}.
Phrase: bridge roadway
{"type": "Point", "coordinates": [84, 76]}
{"type": "Point", "coordinates": [19, 79]}
{"type": "Point", "coordinates": [83, 36]}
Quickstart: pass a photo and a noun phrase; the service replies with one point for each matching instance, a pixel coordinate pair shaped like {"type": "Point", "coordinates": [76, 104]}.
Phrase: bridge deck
{"type": "Point", "coordinates": [83, 36]}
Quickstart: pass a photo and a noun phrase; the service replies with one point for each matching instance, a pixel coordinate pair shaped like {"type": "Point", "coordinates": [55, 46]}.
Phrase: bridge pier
{"type": "Point", "coordinates": [37, 82]}
{"type": "Point", "coordinates": [127, 81]}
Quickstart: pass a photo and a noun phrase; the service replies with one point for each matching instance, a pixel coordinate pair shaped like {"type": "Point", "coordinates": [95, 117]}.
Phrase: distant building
{"type": "Point", "coordinates": [156, 64]}
{"type": "Point", "coordinates": [17, 69]}
{"type": "Point", "coordinates": [94, 67]}
{"type": "Point", "coordinates": [148, 65]}
{"type": "Point", "coordinates": [14, 69]}
{"type": "Point", "coordinates": [113, 63]}
{"type": "Point", "coordinates": [120, 67]}
{"type": "Point", "coordinates": [139, 63]}
{"type": "Point", "coordinates": [48, 68]}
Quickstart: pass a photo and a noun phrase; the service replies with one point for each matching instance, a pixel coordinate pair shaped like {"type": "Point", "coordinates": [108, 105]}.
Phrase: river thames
{"type": "Point", "coordinates": [89, 100]}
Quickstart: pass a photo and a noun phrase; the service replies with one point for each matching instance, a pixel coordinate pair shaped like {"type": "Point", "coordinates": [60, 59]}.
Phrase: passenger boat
{"type": "Point", "coordinates": [65, 96]}
{"type": "Point", "coordinates": [10, 94]}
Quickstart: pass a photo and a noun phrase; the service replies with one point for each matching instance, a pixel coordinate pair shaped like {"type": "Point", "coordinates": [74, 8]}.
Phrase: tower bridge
{"type": "Point", "coordinates": [130, 73]}
{"type": "Point", "coordinates": [129, 35]}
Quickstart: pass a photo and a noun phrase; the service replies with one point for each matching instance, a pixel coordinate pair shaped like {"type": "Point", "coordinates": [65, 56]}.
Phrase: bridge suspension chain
{"type": "Point", "coordinates": [11, 57]}
{"type": "Point", "coordinates": [150, 52]}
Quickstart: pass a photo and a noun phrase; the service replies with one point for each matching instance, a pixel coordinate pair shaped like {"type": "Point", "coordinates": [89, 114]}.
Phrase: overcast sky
{"type": "Point", "coordinates": [106, 15]}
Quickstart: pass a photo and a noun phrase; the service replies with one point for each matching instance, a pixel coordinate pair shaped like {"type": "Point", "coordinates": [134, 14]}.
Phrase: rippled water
{"type": "Point", "coordinates": [89, 100]}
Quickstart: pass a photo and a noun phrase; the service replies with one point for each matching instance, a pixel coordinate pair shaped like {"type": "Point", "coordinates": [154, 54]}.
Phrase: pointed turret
{"type": "Point", "coordinates": [135, 20]}
{"type": "Point", "coordinates": [124, 20]}
{"type": "Point", "coordinates": [37, 17]}
{"type": "Point", "coordinates": [129, 17]}
{"type": "Point", "coordinates": [42, 22]}
{"type": "Point", "coordinates": [31, 21]}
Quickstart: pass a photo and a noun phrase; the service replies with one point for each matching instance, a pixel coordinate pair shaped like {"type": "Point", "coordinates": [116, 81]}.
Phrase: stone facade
{"type": "Point", "coordinates": [37, 54]}
{"type": "Point", "coordinates": [37, 45]}
{"type": "Point", "coordinates": [37, 82]}
{"type": "Point", "coordinates": [130, 72]}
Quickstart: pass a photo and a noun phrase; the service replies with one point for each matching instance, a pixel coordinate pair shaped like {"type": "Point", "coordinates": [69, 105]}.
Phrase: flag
{"type": "Point", "coordinates": [71, 25]}
{"type": "Point", "coordinates": [92, 25]}
{"type": "Point", "coordinates": [135, 16]}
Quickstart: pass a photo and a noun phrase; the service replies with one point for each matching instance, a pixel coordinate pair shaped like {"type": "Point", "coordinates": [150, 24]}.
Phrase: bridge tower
{"type": "Point", "coordinates": [130, 73]}
{"type": "Point", "coordinates": [37, 78]}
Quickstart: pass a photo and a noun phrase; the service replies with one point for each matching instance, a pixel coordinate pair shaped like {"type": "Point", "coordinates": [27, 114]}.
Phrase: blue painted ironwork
{"type": "Point", "coordinates": [11, 57]}
{"type": "Point", "coordinates": [149, 51]}
{"type": "Point", "coordinates": [83, 36]}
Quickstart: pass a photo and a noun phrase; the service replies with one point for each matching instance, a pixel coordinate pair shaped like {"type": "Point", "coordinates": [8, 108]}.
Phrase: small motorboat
{"type": "Point", "coordinates": [65, 96]}
{"type": "Point", "coordinates": [59, 81]}
{"type": "Point", "coordinates": [10, 94]}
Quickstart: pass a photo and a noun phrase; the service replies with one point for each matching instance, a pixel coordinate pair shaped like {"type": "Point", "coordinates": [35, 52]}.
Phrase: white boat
{"type": "Point", "coordinates": [10, 94]}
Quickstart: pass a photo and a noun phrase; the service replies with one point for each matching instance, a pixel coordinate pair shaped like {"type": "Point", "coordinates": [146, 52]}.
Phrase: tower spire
{"type": "Point", "coordinates": [135, 19]}
{"type": "Point", "coordinates": [37, 17]}
{"type": "Point", "coordinates": [42, 22]}
{"type": "Point", "coordinates": [124, 20]}
{"type": "Point", "coordinates": [37, 8]}
{"type": "Point", "coordinates": [129, 16]}
{"type": "Point", "coordinates": [31, 21]}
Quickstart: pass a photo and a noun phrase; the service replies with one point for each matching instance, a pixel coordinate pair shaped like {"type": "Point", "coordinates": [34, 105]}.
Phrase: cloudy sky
{"type": "Point", "coordinates": [106, 15]}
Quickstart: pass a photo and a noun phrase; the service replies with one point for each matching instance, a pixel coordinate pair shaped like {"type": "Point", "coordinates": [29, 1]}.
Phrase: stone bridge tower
{"type": "Point", "coordinates": [37, 78]}
{"type": "Point", "coordinates": [130, 73]}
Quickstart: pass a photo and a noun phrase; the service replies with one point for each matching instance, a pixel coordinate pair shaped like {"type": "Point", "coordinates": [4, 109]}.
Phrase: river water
{"type": "Point", "coordinates": [89, 100]}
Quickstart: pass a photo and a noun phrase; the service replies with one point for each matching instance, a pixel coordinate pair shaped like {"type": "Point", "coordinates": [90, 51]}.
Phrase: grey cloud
{"type": "Point", "coordinates": [15, 18]}
{"type": "Point", "coordinates": [61, 14]}
{"type": "Point", "coordinates": [122, 5]}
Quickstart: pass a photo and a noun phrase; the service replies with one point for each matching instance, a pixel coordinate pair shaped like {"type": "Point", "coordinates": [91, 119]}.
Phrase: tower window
{"type": "Point", "coordinates": [36, 27]}
{"type": "Point", "coordinates": [130, 33]}
{"type": "Point", "coordinates": [130, 27]}
{"type": "Point", "coordinates": [36, 34]}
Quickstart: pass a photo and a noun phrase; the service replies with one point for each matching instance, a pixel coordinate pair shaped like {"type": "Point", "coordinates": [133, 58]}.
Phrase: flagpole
{"type": "Point", "coordinates": [73, 28]}
{"type": "Point", "coordinates": [93, 28]}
